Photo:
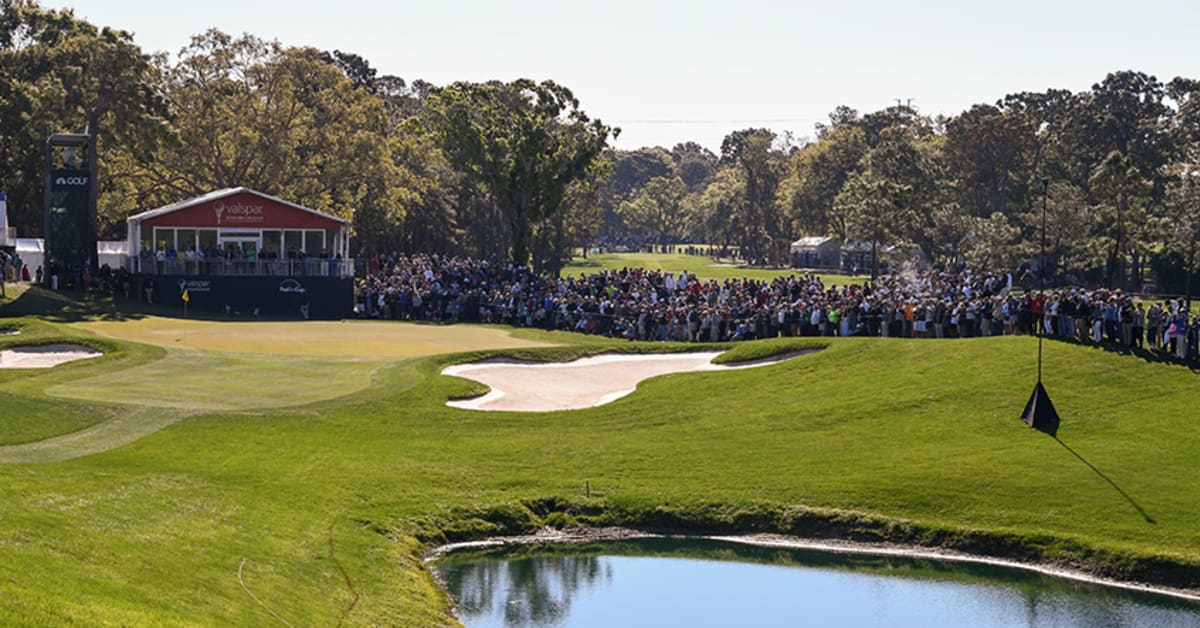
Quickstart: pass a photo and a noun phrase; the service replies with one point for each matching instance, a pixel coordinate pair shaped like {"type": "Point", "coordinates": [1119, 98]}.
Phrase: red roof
{"type": "Point", "coordinates": [234, 208]}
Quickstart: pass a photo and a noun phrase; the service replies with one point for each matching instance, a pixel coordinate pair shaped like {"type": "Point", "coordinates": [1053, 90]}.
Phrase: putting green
{"type": "Point", "coordinates": [196, 379]}
{"type": "Point", "coordinates": [243, 366]}
{"type": "Point", "coordinates": [246, 365]}
{"type": "Point", "coordinates": [372, 339]}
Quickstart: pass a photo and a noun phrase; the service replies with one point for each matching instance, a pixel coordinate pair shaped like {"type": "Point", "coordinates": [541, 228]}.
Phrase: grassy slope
{"type": "Point", "coordinates": [27, 417]}
{"type": "Point", "coordinates": [154, 532]}
{"type": "Point", "coordinates": [698, 264]}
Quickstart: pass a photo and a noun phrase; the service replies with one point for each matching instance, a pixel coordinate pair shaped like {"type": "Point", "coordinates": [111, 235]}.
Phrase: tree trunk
{"type": "Point", "coordinates": [1187, 281]}
{"type": "Point", "coordinates": [521, 232]}
{"type": "Point", "coordinates": [1137, 273]}
{"type": "Point", "coordinates": [1112, 266]}
{"type": "Point", "coordinates": [874, 260]}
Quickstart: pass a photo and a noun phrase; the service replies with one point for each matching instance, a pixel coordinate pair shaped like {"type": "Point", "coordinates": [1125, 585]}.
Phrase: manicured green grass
{"type": "Point", "coordinates": [214, 380]}
{"type": "Point", "coordinates": [26, 415]}
{"type": "Point", "coordinates": [319, 503]}
{"type": "Point", "coordinates": [701, 265]}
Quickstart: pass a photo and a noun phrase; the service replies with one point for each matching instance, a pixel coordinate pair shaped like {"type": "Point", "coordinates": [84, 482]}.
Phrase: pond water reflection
{"type": "Point", "coordinates": [672, 582]}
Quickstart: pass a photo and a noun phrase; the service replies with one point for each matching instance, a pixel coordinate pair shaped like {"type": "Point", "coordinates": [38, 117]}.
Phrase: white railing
{"type": "Point", "coordinates": [300, 267]}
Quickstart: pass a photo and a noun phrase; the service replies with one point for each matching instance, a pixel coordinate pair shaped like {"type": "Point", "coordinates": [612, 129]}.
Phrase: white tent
{"type": "Point", "coordinates": [816, 252]}
{"type": "Point", "coordinates": [33, 253]}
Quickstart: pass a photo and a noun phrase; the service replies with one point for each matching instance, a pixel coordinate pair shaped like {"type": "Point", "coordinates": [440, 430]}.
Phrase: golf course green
{"type": "Point", "coordinates": [195, 478]}
{"type": "Point", "coordinates": [702, 266]}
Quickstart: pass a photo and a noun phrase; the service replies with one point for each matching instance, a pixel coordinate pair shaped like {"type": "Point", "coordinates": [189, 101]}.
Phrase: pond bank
{"type": "Point", "coordinates": [552, 521]}
{"type": "Point", "coordinates": [838, 546]}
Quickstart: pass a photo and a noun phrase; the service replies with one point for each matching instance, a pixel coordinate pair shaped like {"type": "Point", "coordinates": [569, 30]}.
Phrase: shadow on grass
{"type": "Point", "coordinates": [67, 306]}
{"type": "Point", "coordinates": [1142, 511]}
{"type": "Point", "coordinates": [73, 306]}
{"type": "Point", "coordinates": [1146, 355]}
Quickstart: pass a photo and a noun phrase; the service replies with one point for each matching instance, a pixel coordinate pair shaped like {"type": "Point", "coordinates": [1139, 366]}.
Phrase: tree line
{"type": "Point", "coordinates": [517, 170]}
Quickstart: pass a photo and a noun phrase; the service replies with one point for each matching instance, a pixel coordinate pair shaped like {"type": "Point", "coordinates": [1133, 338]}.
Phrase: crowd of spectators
{"type": "Point", "coordinates": [640, 304]}
{"type": "Point", "coordinates": [234, 259]}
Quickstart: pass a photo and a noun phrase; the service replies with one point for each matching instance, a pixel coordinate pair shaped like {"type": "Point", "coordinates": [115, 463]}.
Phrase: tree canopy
{"type": "Point", "coordinates": [518, 170]}
{"type": "Point", "coordinates": [524, 143]}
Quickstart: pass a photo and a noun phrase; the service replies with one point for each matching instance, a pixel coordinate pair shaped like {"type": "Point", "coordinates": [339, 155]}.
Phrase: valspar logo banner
{"type": "Point", "coordinates": [194, 285]}
{"type": "Point", "coordinates": [238, 213]}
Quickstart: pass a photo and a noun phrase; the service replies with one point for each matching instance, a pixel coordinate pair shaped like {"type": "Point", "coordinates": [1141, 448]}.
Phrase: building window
{"type": "Point", "coordinates": [293, 242]}
{"type": "Point", "coordinates": [164, 238]}
{"type": "Point", "coordinates": [185, 239]}
{"type": "Point", "coordinates": [273, 243]}
{"type": "Point", "coordinates": [314, 243]}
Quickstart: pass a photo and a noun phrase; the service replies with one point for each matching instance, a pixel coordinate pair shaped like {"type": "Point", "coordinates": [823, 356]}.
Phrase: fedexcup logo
{"type": "Point", "coordinates": [291, 286]}
{"type": "Point", "coordinates": [73, 181]}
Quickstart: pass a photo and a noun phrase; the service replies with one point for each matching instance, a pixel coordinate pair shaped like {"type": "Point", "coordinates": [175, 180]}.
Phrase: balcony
{"type": "Point", "coordinates": [297, 267]}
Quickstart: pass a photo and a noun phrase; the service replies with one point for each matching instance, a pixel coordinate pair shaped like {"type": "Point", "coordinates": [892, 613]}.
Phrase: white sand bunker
{"type": "Point", "coordinates": [593, 381]}
{"type": "Point", "coordinates": [44, 356]}
{"type": "Point", "coordinates": [8, 331]}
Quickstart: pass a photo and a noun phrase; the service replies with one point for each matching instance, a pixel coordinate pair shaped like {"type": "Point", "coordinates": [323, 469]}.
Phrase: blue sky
{"type": "Point", "coordinates": [668, 72]}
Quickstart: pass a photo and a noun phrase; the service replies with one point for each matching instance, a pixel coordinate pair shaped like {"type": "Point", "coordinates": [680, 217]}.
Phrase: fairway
{"type": "Point", "coordinates": [207, 483]}
{"type": "Point", "coordinates": [700, 265]}
{"type": "Point", "coordinates": [277, 365]}
{"type": "Point", "coordinates": [371, 339]}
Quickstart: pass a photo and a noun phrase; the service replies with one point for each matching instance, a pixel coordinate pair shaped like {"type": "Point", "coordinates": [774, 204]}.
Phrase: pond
{"type": "Point", "coordinates": [673, 582]}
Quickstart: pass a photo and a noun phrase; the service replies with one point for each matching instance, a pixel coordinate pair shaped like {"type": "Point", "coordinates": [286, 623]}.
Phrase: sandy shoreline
{"type": "Point", "coordinates": [588, 535]}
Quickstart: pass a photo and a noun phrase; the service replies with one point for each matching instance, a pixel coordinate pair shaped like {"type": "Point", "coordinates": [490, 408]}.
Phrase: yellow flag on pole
{"type": "Point", "coordinates": [185, 297]}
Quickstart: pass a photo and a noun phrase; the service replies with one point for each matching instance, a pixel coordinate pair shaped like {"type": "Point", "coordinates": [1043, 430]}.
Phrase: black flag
{"type": "Point", "coordinates": [1040, 413]}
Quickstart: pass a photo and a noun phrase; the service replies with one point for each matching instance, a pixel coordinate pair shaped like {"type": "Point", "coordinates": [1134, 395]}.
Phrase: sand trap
{"type": "Point", "coordinates": [8, 331]}
{"type": "Point", "coordinates": [519, 386]}
{"type": "Point", "coordinates": [44, 356]}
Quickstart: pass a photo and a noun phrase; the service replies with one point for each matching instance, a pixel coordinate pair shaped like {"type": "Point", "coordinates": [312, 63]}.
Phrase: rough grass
{"type": "Point", "coordinates": [870, 438]}
{"type": "Point", "coordinates": [703, 266]}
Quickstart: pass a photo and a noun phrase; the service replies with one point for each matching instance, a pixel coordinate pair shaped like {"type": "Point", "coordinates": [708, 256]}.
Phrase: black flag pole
{"type": "Point", "coordinates": [1039, 410]}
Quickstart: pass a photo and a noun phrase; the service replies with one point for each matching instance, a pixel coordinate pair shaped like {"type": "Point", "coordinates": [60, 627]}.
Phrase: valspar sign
{"type": "Point", "coordinates": [193, 286]}
{"type": "Point", "coordinates": [238, 213]}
